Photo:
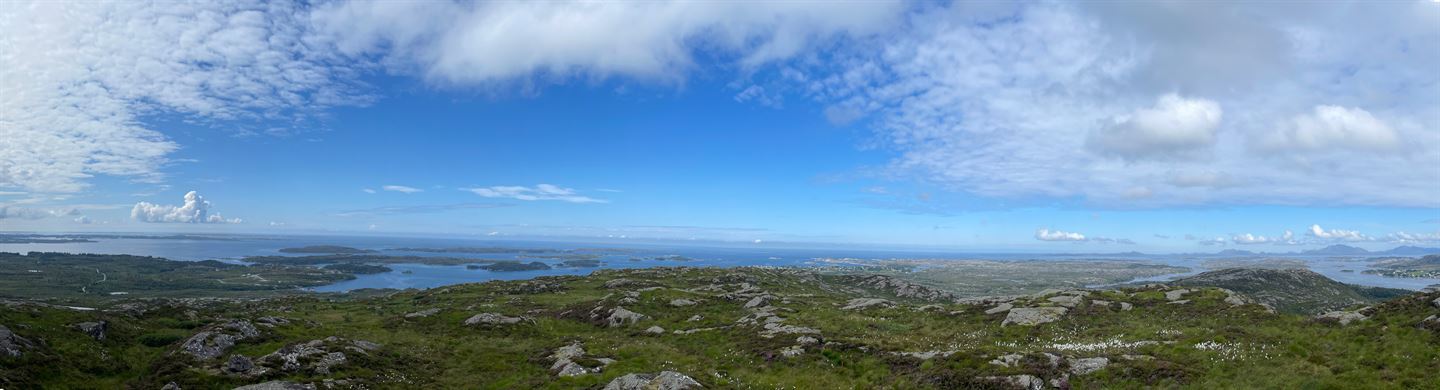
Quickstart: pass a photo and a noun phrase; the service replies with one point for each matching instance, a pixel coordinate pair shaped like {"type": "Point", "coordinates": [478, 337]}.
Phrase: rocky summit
{"type": "Point", "coordinates": [693, 328]}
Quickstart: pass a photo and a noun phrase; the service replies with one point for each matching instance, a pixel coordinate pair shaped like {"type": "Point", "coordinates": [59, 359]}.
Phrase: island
{"type": "Point", "coordinates": [334, 249]}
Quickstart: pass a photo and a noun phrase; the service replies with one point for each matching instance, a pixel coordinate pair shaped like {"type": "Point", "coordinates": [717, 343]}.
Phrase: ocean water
{"type": "Point", "coordinates": [234, 248]}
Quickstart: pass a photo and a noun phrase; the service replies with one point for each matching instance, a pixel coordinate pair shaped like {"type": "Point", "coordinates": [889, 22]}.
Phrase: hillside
{"type": "Point", "coordinates": [718, 328]}
{"type": "Point", "coordinates": [1299, 291]}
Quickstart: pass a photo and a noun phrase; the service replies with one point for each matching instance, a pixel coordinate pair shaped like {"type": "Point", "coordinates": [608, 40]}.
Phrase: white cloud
{"type": "Point", "coordinates": [1332, 127]}
{"type": "Point", "coordinates": [1056, 235]}
{"type": "Point", "coordinates": [195, 210]}
{"type": "Point", "coordinates": [1337, 234]}
{"type": "Point", "coordinates": [1176, 126]}
{"type": "Point", "coordinates": [404, 189]}
{"type": "Point", "coordinates": [489, 42]}
{"type": "Point", "coordinates": [1013, 103]}
{"type": "Point", "coordinates": [539, 192]}
{"type": "Point", "coordinates": [1251, 239]}
{"type": "Point", "coordinates": [367, 190]}
{"type": "Point", "coordinates": [20, 212]}
{"type": "Point", "coordinates": [80, 79]}
{"type": "Point", "coordinates": [1403, 237]}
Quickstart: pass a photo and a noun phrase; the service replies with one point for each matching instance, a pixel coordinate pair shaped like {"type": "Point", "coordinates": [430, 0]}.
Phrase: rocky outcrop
{"type": "Point", "coordinates": [1084, 366]}
{"type": "Point", "coordinates": [620, 316]}
{"type": "Point", "coordinates": [866, 303]}
{"type": "Point", "coordinates": [1001, 308]}
{"type": "Point", "coordinates": [1066, 300]}
{"type": "Point", "coordinates": [1033, 315]}
{"type": "Point", "coordinates": [315, 356]}
{"type": "Point", "coordinates": [12, 344]}
{"type": "Point", "coordinates": [901, 288]}
{"type": "Point", "coordinates": [1175, 295]}
{"type": "Point", "coordinates": [423, 313]}
{"type": "Point", "coordinates": [240, 365]}
{"type": "Point", "coordinates": [1341, 317]}
{"type": "Point", "coordinates": [1028, 382]}
{"type": "Point", "coordinates": [682, 302]}
{"type": "Point", "coordinates": [217, 340]}
{"type": "Point", "coordinates": [665, 380]}
{"type": "Point", "coordinates": [570, 360]}
{"type": "Point", "coordinates": [494, 319]}
{"type": "Point", "coordinates": [278, 385]}
{"type": "Point", "coordinates": [96, 330]}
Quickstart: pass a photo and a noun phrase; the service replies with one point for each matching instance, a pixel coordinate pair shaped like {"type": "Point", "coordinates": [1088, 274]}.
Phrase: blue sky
{"type": "Point", "coordinates": [1077, 127]}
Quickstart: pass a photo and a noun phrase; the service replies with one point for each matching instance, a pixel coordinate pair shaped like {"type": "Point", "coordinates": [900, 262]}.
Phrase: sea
{"type": "Point", "coordinates": [234, 248]}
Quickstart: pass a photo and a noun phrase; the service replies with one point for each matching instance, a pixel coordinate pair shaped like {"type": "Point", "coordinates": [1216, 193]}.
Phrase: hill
{"type": "Point", "coordinates": [1290, 290]}
{"type": "Point", "coordinates": [679, 328]}
{"type": "Point", "coordinates": [1408, 250]}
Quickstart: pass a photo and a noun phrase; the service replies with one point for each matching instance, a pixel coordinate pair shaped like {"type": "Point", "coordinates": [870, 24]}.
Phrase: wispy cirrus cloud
{"type": "Point", "coordinates": [536, 193]}
{"type": "Point", "coordinates": [419, 209]}
{"type": "Point", "coordinates": [401, 189]}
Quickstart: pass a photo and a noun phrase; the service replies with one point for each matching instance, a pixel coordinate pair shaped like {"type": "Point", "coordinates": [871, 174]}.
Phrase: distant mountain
{"type": "Point", "coordinates": [1336, 250]}
{"type": "Point", "coordinates": [1408, 250]}
{"type": "Point", "coordinates": [1236, 252]}
{"type": "Point", "coordinates": [1291, 290]}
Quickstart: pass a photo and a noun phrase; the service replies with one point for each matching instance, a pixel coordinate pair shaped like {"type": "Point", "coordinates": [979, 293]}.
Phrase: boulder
{"type": "Point", "coordinates": [493, 319]}
{"type": "Point", "coordinates": [1126, 306]}
{"type": "Point", "coordinates": [1033, 315]}
{"type": "Point", "coordinates": [278, 385]}
{"type": "Point", "coordinates": [271, 322]}
{"type": "Point", "coordinates": [12, 344]}
{"type": "Point", "coordinates": [1341, 317]}
{"type": "Point", "coordinates": [1001, 308]}
{"type": "Point", "coordinates": [96, 330]}
{"type": "Point", "coordinates": [1084, 366]}
{"type": "Point", "coordinates": [238, 365]}
{"type": "Point", "coordinates": [1066, 300]}
{"type": "Point", "coordinates": [1435, 303]}
{"type": "Point", "coordinates": [866, 303]}
{"type": "Point", "coordinates": [1028, 382]}
{"type": "Point", "coordinates": [759, 301]}
{"type": "Point", "coordinates": [665, 380]}
{"type": "Point", "coordinates": [1174, 295]}
{"type": "Point", "coordinates": [655, 330]}
{"type": "Point", "coordinates": [564, 361]}
{"type": "Point", "coordinates": [621, 317]}
{"type": "Point", "coordinates": [807, 340]}
{"type": "Point", "coordinates": [682, 302]}
{"type": "Point", "coordinates": [217, 340]}
{"type": "Point", "coordinates": [423, 313]}
{"type": "Point", "coordinates": [792, 351]}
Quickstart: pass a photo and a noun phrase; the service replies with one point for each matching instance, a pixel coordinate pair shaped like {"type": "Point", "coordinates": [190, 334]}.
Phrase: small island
{"type": "Point", "coordinates": [359, 269]}
{"type": "Point", "coordinates": [333, 249]}
{"type": "Point", "coordinates": [510, 266]}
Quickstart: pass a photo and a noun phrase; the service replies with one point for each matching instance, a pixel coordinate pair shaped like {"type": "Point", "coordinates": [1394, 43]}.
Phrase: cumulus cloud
{"type": "Point", "coordinates": [20, 212]}
{"type": "Point", "coordinates": [476, 43]}
{"type": "Point", "coordinates": [195, 210]}
{"type": "Point", "coordinates": [1337, 234]}
{"type": "Point", "coordinates": [539, 192]}
{"type": "Point", "coordinates": [1056, 235]}
{"type": "Point", "coordinates": [1332, 127]}
{"type": "Point", "coordinates": [1176, 126]}
{"type": "Point", "coordinates": [404, 189]}
{"type": "Point", "coordinates": [1036, 101]}
{"type": "Point", "coordinates": [1403, 237]}
{"type": "Point", "coordinates": [80, 78]}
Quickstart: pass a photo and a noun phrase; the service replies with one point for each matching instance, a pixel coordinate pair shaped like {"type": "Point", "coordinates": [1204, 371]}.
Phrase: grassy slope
{"type": "Point", "coordinates": [1258, 349]}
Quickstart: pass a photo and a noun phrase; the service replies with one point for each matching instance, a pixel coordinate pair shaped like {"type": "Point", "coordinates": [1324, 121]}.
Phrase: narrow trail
{"type": "Point", "coordinates": [103, 277]}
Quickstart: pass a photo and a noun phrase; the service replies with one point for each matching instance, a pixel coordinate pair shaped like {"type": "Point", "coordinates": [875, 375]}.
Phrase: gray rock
{"type": "Point", "coordinates": [666, 380]}
{"type": "Point", "coordinates": [1088, 365]}
{"type": "Point", "coordinates": [96, 330]}
{"type": "Point", "coordinates": [239, 364]}
{"type": "Point", "coordinates": [866, 303]}
{"type": "Point", "coordinates": [772, 329]}
{"type": "Point", "coordinates": [564, 365]}
{"type": "Point", "coordinates": [12, 344]}
{"type": "Point", "coordinates": [621, 317]}
{"type": "Point", "coordinates": [696, 317]}
{"type": "Point", "coordinates": [313, 356]}
{"type": "Point", "coordinates": [807, 340]}
{"type": "Point", "coordinates": [792, 351]}
{"type": "Point", "coordinates": [655, 330]}
{"type": "Point", "coordinates": [1126, 306]}
{"type": "Point", "coordinates": [1001, 308]}
{"type": "Point", "coordinates": [1180, 302]}
{"type": "Point", "coordinates": [1436, 302]}
{"type": "Point", "coordinates": [1009, 360]}
{"type": "Point", "coordinates": [1033, 315]}
{"type": "Point", "coordinates": [1176, 294]}
{"type": "Point", "coordinates": [682, 302]}
{"type": "Point", "coordinates": [1066, 300]}
{"type": "Point", "coordinates": [423, 313]}
{"type": "Point", "coordinates": [171, 386]}
{"type": "Point", "coordinates": [1342, 317]}
{"type": "Point", "coordinates": [1027, 382]}
{"type": "Point", "coordinates": [1098, 302]}
{"type": "Point", "coordinates": [759, 301]}
{"type": "Point", "coordinates": [926, 355]}
{"type": "Point", "coordinates": [493, 319]}
{"type": "Point", "coordinates": [278, 385]}
{"type": "Point", "coordinates": [208, 345]}
{"type": "Point", "coordinates": [271, 322]}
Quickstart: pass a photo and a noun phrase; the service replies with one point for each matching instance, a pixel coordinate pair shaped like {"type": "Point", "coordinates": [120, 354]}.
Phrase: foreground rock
{"type": "Point", "coordinates": [866, 303]}
{"type": "Point", "coordinates": [1341, 317]}
{"type": "Point", "coordinates": [217, 340]}
{"type": "Point", "coordinates": [278, 385]}
{"type": "Point", "coordinates": [13, 345]}
{"type": "Point", "coordinates": [314, 356]}
{"type": "Point", "coordinates": [571, 360]}
{"type": "Point", "coordinates": [665, 380]}
{"type": "Point", "coordinates": [96, 330]}
{"type": "Point", "coordinates": [1034, 315]}
{"type": "Point", "coordinates": [493, 319]}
